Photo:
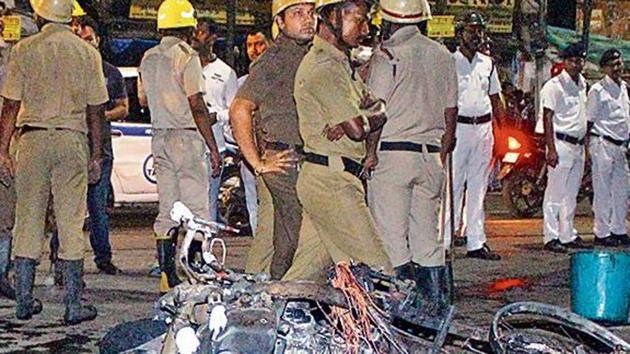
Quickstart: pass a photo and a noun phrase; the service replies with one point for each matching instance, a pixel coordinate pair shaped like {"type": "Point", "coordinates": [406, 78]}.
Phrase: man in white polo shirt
{"type": "Point", "coordinates": [608, 113]}
{"type": "Point", "coordinates": [478, 103]}
{"type": "Point", "coordinates": [564, 119]}
{"type": "Point", "coordinates": [220, 85]}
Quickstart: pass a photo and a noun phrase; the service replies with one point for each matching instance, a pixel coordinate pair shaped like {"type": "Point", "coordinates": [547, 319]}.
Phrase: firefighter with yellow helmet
{"type": "Point", "coordinates": [171, 85]}
{"type": "Point", "coordinates": [274, 147]}
{"type": "Point", "coordinates": [77, 13]}
{"type": "Point", "coordinates": [55, 108]}
{"type": "Point", "coordinates": [405, 190]}
{"type": "Point", "coordinates": [339, 119]}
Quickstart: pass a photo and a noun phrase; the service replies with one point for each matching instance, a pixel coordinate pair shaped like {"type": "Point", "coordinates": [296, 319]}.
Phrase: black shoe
{"type": "Point", "coordinates": [432, 289]}
{"type": "Point", "coordinates": [108, 268]}
{"type": "Point", "coordinates": [608, 241]}
{"type": "Point", "coordinates": [578, 243]}
{"type": "Point", "coordinates": [622, 240]}
{"type": "Point", "coordinates": [405, 272]}
{"type": "Point", "coordinates": [26, 305]}
{"type": "Point", "coordinates": [72, 286]}
{"type": "Point", "coordinates": [460, 241]}
{"type": "Point", "coordinates": [484, 253]}
{"type": "Point", "coordinates": [555, 246]}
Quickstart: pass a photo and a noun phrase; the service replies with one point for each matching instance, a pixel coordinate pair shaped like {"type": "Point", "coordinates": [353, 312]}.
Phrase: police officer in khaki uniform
{"type": "Point", "coordinates": [172, 87]}
{"type": "Point", "coordinates": [266, 101]}
{"type": "Point", "coordinates": [405, 191]}
{"type": "Point", "coordinates": [55, 80]}
{"type": "Point", "coordinates": [337, 115]}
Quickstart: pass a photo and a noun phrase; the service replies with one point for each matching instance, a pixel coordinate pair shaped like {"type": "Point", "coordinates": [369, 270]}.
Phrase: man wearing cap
{"type": "Point", "coordinates": [564, 123]}
{"type": "Point", "coordinates": [337, 114]}
{"type": "Point", "coordinates": [405, 191]}
{"type": "Point", "coordinates": [172, 86]}
{"type": "Point", "coordinates": [478, 104]}
{"type": "Point", "coordinates": [54, 107]}
{"type": "Point", "coordinates": [265, 124]}
{"type": "Point", "coordinates": [608, 114]}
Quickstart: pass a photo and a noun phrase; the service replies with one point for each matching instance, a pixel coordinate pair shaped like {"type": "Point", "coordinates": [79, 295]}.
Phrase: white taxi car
{"type": "Point", "coordinates": [133, 177]}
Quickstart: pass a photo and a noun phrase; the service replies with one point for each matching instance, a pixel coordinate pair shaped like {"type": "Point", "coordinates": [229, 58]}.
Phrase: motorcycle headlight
{"type": "Point", "coordinates": [513, 144]}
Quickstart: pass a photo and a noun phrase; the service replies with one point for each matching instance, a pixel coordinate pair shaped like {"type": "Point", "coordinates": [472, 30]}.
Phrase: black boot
{"type": "Point", "coordinates": [431, 283]}
{"type": "Point", "coordinates": [167, 250]}
{"type": "Point", "coordinates": [72, 285]}
{"type": "Point", "coordinates": [6, 288]}
{"type": "Point", "coordinates": [26, 305]}
{"type": "Point", "coordinates": [405, 272]}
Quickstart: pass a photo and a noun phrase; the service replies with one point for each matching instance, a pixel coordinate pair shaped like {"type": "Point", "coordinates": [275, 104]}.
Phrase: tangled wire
{"type": "Point", "coordinates": [362, 319]}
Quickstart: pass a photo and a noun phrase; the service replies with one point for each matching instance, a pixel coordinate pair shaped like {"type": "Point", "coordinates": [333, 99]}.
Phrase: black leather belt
{"type": "Point", "coordinates": [569, 139]}
{"type": "Point", "coordinates": [349, 165]}
{"type": "Point", "coordinates": [474, 120]}
{"type": "Point", "coordinates": [277, 145]}
{"type": "Point", "coordinates": [30, 128]}
{"type": "Point", "coordinates": [610, 139]}
{"type": "Point", "coordinates": [407, 146]}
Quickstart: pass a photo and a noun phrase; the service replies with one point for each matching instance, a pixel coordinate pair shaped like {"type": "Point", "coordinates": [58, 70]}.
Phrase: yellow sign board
{"type": "Point", "coordinates": [441, 26]}
{"type": "Point", "coordinates": [12, 28]}
{"type": "Point", "coordinates": [498, 13]}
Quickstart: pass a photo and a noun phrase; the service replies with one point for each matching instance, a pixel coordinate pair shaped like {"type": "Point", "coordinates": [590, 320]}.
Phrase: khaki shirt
{"type": "Point", "coordinates": [170, 73]}
{"type": "Point", "coordinates": [56, 75]}
{"type": "Point", "coordinates": [327, 93]}
{"type": "Point", "coordinates": [417, 78]}
{"type": "Point", "coordinates": [270, 86]}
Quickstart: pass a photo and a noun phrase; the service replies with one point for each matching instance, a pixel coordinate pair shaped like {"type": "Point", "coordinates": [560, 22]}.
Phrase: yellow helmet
{"type": "Point", "coordinates": [405, 11]}
{"type": "Point", "coordinates": [176, 14]}
{"type": "Point", "coordinates": [78, 10]}
{"type": "Point", "coordinates": [277, 6]}
{"type": "Point", "coordinates": [53, 10]}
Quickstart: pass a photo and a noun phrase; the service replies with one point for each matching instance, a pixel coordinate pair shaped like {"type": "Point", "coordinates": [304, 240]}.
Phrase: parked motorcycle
{"type": "Point", "coordinates": [232, 204]}
{"type": "Point", "coordinates": [523, 173]}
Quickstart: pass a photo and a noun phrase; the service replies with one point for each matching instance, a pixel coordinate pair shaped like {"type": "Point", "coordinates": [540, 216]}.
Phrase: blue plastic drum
{"type": "Point", "coordinates": [600, 285]}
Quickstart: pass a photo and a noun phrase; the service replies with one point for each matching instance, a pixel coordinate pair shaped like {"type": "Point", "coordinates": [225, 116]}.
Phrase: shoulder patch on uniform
{"type": "Point", "coordinates": [187, 48]}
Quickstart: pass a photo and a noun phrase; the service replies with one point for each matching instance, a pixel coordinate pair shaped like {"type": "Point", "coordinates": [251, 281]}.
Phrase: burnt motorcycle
{"type": "Point", "coordinates": [360, 310]}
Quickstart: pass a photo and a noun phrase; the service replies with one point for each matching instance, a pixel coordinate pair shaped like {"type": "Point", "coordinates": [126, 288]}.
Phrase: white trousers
{"type": "Point", "coordinates": [471, 168]}
{"type": "Point", "coordinates": [610, 186]}
{"type": "Point", "coordinates": [563, 185]}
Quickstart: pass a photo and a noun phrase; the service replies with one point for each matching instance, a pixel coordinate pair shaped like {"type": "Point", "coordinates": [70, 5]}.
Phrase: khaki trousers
{"type": "Point", "coordinates": [50, 162]}
{"type": "Point", "coordinates": [345, 229]}
{"type": "Point", "coordinates": [182, 175]}
{"type": "Point", "coordinates": [404, 196]}
{"type": "Point", "coordinates": [7, 210]}
{"type": "Point", "coordinates": [261, 250]}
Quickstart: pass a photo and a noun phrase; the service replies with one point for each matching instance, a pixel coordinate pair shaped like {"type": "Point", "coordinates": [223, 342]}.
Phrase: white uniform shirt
{"type": "Point", "coordinates": [477, 81]}
{"type": "Point", "coordinates": [608, 108]}
{"type": "Point", "coordinates": [567, 100]}
{"type": "Point", "coordinates": [220, 88]}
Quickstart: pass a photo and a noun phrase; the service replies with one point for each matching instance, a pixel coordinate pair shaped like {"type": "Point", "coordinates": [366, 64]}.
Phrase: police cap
{"type": "Point", "coordinates": [610, 55]}
{"type": "Point", "coordinates": [575, 50]}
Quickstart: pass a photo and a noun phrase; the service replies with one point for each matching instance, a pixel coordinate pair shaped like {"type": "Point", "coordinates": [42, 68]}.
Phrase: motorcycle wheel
{"type": "Point", "coordinates": [521, 195]}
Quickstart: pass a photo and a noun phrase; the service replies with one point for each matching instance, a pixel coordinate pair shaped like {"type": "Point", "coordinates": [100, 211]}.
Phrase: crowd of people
{"type": "Point", "coordinates": [342, 162]}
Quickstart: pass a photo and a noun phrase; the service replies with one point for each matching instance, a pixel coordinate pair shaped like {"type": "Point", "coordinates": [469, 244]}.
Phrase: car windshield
{"type": "Point", "coordinates": [137, 113]}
